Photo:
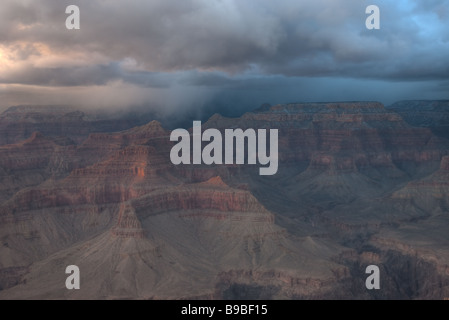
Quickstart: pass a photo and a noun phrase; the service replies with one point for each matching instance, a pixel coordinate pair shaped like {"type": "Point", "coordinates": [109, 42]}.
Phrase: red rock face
{"type": "Point", "coordinates": [356, 185]}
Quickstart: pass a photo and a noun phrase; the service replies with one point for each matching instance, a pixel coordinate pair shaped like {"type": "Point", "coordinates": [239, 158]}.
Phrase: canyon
{"type": "Point", "coordinates": [357, 184]}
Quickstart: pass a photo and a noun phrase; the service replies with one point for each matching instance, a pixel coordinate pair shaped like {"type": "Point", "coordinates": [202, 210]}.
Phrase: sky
{"type": "Point", "coordinates": [193, 57]}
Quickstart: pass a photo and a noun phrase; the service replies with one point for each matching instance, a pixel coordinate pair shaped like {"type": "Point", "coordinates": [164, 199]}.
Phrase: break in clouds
{"type": "Point", "coordinates": [193, 54]}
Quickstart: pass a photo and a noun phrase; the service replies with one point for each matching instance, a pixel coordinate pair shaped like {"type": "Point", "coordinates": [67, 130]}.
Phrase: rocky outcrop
{"type": "Point", "coordinates": [128, 225]}
{"type": "Point", "coordinates": [423, 113]}
{"type": "Point", "coordinates": [366, 132]}
{"type": "Point", "coordinates": [10, 277]}
{"type": "Point", "coordinates": [272, 284]}
{"type": "Point", "coordinates": [19, 122]}
{"type": "Point", "coordinates": [433, 114]}
{"type": "Point", "coordinates": [430, 193]}
{"type": "Point", "coordinates": [25, 164]}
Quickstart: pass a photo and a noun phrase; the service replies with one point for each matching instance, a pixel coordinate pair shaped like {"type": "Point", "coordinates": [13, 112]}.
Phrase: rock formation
{"type": "Point", "coordinates": [19, 122]}
{"type": "Point", "coordinates": [357, 185]}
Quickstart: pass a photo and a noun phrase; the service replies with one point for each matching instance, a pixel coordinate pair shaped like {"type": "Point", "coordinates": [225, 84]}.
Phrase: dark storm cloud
{"type": "Point", "coordinates": [292, 37]}
{"type": "Point", "coordinates": [203, 49]}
